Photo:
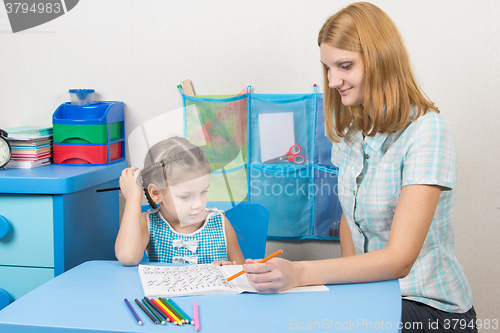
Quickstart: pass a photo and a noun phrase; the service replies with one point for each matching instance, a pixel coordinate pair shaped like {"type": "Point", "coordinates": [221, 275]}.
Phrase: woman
{"type": "Point", "coordinates": [397, 177]}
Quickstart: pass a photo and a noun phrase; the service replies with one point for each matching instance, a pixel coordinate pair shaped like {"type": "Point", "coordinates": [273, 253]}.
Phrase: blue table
{"type": "Point", "coordinates": [90, 297]}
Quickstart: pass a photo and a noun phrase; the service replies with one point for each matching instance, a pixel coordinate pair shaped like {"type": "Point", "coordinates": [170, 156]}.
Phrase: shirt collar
{"type": "Point", "coordinates": [375, 142]}
{"type": "Point", "coordinates": [355, 139]}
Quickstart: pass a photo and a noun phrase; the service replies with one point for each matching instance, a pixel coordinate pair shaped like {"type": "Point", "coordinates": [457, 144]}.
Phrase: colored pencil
{"type": "Point", "coordinates": [172, 310]}
{"type": "Point", "coordinates": [181, 312]}
{"type": "Point", "coordinates": [173, 318]}
{"type": "Point", "coordinates": [162, 311]}
{"type": "Point", "coordinates": [155, 306]}
{"type": "Point", "coordinates": [196, 317]}
{"type": "Point", "coordinates": [166, 311]}
{"type": "Point", "coordinates": [146, 312]}
{"type": "Point", "coordinates": [153, 311]}
{"type": "Point", "coordinates": [260, 261]}
{"type": "Point", "coordinates": [139, 321]}
{"type": "Point", "coordinates": [168, 306]}
{"type": "Point", "coordinates": [175, 310]}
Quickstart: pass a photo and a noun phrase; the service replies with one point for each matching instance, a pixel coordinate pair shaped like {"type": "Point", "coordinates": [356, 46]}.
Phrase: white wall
{"type": "Point", "coordinates": [138, 51]}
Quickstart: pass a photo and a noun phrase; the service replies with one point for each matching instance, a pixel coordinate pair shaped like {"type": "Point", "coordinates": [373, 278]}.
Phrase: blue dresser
{"type": "Point", "coordinates": [52, 219]}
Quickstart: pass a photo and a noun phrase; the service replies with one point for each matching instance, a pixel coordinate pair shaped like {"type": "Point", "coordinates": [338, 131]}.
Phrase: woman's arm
{"type": "Point", "coordinates": [234, 254]}
{"type": "Point", "coordinates": [412, 219]}
{"type": "Point", "coordinates": [133, 236]}
{"type": "Point", "coordinates": [346, 244]}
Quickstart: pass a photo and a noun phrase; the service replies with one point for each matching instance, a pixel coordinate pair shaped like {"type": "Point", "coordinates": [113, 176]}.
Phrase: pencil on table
{"type": "Point", "coordinates": [175, 310]}
{"type": "Point", "coordinates": [155, 306]}
{"type": "Point", "coordinates": [153, 311]}
{"type": "Point", "coordinates": [168, 312]}
{"type": "Point", "coordinates": [146, 312]}
{"type": "Point", "coordinates": [139, 321]}
{"type": "Point", "coordinates": [196, 317]}
{"type": "Point", "coordinates": [171, 311]}
{"type": "Point", "coordinates": [182, 313]}
{"type": "Point", "coordinates": [260, 261]}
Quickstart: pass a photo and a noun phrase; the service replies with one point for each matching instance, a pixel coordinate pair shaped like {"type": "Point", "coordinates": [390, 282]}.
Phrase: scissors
{"type": "Point", "coordinates": [292, 155]}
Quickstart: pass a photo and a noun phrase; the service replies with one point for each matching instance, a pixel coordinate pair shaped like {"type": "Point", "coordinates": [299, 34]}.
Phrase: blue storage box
{"type": "Point", "coordinates": [104, 120]}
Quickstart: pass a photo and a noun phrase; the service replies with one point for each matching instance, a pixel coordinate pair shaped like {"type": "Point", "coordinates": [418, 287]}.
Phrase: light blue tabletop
{"type": "Point", "coordinates": [58, 178]}
{"type": "Point", "coordinates": [90, 297]}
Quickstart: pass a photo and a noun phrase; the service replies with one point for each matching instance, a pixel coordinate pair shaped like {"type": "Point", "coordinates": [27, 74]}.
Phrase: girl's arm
{"type": "Point", "coordinates": [412, 219]}
{"type": "Point", "coordinates": [346, 244]}
{"type": "Point", "coordinates": [234, 254]}
{"type": "Point", "coordinates": [133, 236]}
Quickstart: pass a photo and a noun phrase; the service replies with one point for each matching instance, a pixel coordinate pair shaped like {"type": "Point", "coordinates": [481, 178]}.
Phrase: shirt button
{"type": "Point", "coordinates": [353, 192]}
{"type": "Point", "coordinates": [367, 156]}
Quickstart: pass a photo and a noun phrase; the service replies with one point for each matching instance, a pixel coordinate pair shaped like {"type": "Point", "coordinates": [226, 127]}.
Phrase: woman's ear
{"type": "Point", "coordinates": [154, 193]}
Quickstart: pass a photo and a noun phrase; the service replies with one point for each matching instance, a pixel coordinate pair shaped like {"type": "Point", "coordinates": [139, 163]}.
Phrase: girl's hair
{"type": "Point", "coordinates": [390, 86]}
{"type": "Point", "coordinates": [170, 162]}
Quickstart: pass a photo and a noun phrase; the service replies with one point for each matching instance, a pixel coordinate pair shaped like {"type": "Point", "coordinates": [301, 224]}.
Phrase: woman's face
{"type": "Point", "coordinates": [346, 73]}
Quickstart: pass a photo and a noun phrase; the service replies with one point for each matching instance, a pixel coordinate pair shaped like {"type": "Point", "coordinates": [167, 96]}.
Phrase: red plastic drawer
{"type": "Point", "coordinates": [86, 154]}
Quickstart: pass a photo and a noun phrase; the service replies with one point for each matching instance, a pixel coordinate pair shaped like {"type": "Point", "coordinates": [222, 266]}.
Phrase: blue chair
{"type": "Point", "coordinates": [249, 221]}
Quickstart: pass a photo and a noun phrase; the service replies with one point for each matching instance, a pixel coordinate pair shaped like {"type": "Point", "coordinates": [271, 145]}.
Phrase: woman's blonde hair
{"type": "Point", "coordinates": [390, 86]}
{"type": "Point", "coordinates": [172, 161]}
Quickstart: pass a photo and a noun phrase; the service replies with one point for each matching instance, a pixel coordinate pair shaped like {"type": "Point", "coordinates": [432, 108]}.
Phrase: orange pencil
{"type": "Point", "coordinates": [263, 260]}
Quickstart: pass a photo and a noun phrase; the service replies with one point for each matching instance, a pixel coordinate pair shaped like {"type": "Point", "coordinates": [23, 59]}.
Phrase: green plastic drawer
{"type": "Point", "coordinates": [18, 281]}
{"type": "Point", "coordinates": [30, 241]}
{"type": "Point", "coordinates": [84, 134]}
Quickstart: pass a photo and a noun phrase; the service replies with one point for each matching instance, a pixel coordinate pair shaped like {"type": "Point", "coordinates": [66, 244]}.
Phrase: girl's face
{"type": "Point", "coordinates": [186, 202]}
{"type": "Point", "coordinates": [346, 73]}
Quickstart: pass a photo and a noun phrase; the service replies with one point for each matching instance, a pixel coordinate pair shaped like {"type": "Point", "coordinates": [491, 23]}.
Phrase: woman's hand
{"type": "Point", "coordinates": [130, 184]}
{"type": "Point", "coordinates": [223, 262]}
{"type": "Point", "coordinates": [272, 276]}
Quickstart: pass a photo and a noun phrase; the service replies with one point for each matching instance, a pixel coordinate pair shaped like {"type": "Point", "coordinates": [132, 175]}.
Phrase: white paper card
{"type": "Point", "coordinates": [277, 134]}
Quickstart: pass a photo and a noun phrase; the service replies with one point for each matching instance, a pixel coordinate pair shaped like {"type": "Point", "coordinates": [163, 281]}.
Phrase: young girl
{"type": "Point", "coordinates": [397, 177]}
{"type": "Point", "coordinates": [179, 228]}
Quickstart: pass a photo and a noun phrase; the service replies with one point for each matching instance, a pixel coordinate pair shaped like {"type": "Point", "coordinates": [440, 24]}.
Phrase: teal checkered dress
{"type": "Point", "coordinates": [167, 245]}
{"type": "Point", "coordinates": [372, 172]}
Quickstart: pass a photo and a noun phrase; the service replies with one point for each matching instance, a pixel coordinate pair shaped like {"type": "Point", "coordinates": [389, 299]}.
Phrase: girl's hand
{"type": "Point", "coordinates": [272, 276]}
{"type": "Point", "coordinates": [130, 184]}
{"type": "Point", "coordinates": [223, 262]}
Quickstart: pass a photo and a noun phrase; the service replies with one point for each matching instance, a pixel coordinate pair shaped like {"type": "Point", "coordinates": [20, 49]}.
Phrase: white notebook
{"type": "Point", "coordinates": [204, 279]}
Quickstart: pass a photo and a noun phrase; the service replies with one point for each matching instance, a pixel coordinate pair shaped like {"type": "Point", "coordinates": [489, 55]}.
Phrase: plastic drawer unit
{"type": "Point", "coordinates": [89, 134]}
{"type": "Point", "coordinates": [52, 219]}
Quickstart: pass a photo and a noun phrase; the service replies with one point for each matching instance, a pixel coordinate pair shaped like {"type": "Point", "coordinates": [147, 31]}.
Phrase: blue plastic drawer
{"type": "Point", "coordinates": [95, 113]}
{"type": "Point", "coordinates": [18, 281]}
{"type": "Point", "coordinates": [30, 241]}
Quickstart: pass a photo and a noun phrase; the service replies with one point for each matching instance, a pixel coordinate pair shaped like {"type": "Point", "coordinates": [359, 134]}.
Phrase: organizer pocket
{"type": "Point", "coordinates": [220, 127]}
{"type": "Point", "coordinates": [271, 128]}
{"type": "Point", "coordinates": [285, 191]}
{"type": "Point", "coordinates": [327, 209]}
{"type": "Point", "coordinates": [301, 198]}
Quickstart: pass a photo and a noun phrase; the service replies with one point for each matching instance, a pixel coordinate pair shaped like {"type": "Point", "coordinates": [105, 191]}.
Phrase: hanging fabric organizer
{"type": "Point", "coordinates": [237, 132]}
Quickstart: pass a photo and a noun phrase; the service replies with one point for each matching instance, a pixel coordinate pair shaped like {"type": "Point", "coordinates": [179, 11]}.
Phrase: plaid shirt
{"type": "Point", "coordinates": [210, 239]}
{"type": "Point", "coordinates": [372, 172]}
